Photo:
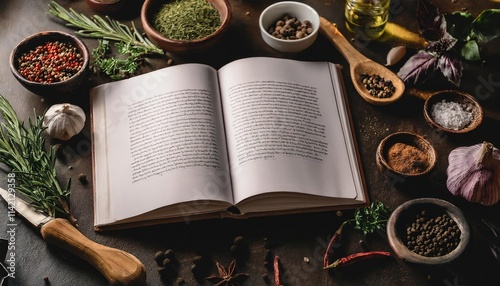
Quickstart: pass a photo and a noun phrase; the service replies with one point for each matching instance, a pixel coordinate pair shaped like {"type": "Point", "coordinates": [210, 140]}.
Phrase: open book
{"type": "Point", "coordinates": [259, 136]}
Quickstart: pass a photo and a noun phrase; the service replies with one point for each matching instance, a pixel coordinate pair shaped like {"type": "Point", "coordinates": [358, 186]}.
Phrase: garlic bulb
{"type": "Point", "coordinates": [474, 173]}
{"type": "Point", "coordinates": [63, 121]}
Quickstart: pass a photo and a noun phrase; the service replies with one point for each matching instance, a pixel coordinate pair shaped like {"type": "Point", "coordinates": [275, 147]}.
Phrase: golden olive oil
{"type": "Point", "coordinates": [367, 17]}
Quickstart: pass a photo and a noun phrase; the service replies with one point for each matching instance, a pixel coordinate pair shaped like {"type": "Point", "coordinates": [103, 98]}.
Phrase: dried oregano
{"type": "Point", "coordinates": [187, 19]}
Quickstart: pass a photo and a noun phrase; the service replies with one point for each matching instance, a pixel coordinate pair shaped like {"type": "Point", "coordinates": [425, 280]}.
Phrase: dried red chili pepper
{"type": "Point", "coordinates": [353, 258]}
{"type": "Point", "coordinates": [277, 272]}
{"type": "Point", "coordinates": [329, 248]}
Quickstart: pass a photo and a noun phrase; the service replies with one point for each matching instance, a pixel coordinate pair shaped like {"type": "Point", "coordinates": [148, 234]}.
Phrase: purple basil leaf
{"type": "Point", "coordinates": [418, 66]}
{"type": "Point", "coordinates": [431, 21]}
{"type": "Point", "coordinates": [451, 67]}
{"type": "Point", "coordinates": [446, 43]}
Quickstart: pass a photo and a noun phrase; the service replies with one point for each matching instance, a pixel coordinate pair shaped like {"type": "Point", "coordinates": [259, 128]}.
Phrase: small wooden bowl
{"type": "Point", "coordinates": [55, 88]}
{"type": "Point", "coordinates": [402, 216]}
{"type": "Point", "coordinates": [116, 8]}
{"type": "Point", "coordinates": [458, 97]}
{"type": "Point", "coordinates": [151, 7]}
{"type": "Point", "coordinates": [407, 138]}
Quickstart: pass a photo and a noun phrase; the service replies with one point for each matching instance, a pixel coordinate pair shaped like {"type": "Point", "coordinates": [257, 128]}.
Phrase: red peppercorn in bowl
{"type": "Point", "coordinates": [50, 63]}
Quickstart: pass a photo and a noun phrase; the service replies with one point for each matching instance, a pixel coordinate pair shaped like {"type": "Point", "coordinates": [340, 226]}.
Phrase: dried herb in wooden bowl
{"type": "Point", "coordinates": [187, 19]}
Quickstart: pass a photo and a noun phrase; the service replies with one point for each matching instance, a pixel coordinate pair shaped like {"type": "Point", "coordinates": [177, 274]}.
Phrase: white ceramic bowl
{"type": "Point", "coordinates": [274, 12]}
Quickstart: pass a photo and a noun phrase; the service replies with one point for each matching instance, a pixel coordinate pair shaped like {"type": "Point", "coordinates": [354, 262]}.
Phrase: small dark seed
{"type": "Point", "coordinates": [159, 257]}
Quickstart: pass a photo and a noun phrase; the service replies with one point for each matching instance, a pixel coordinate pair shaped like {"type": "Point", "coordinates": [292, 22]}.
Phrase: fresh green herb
{"type": "Point", "coordinates": [372, 218]}
{"type": "Point", "coordinates": [187, 19]}
{"type": "Point", "coordinates": [130, 43]}
{"type": "Point", "coordinates": [22, 150]}
{"type": "Point", "coordinates": [451, 37]}
{"type": "Point", "coordinates": [114, 67]}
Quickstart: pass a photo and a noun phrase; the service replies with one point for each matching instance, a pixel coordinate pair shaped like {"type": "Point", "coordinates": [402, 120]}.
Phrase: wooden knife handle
{"type": "Point", "coordinates": [119, 267]}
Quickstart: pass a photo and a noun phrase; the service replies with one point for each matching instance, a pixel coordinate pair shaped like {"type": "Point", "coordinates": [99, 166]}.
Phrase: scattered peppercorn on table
{"type": "Point", "coordinates": [298, 240]}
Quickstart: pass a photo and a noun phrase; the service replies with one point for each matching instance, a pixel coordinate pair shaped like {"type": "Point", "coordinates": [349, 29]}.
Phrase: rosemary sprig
{"type": "Point", "coordinates": [129, 41]}
{"type": "Point", "coordinates": [22, 150]}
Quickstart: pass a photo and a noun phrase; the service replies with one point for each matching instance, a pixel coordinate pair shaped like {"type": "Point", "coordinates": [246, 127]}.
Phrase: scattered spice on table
{"type": "Point", "coordinates": [82, 177]}
{"type": "Point", "coordinates": [353, 258]}
{"type": "Point", "coordinates": [407, 159]}
{"type": "Point", "coordinates": [51, 62]}
{"type": "Point", "coordinates": [187, 19]}
{"type": "Point", "coordinates": [227, 276]}
{"type": "Point", "coordinates": [290, 28]}
{"type": "Point", "coordinates": [432, 234]}
{"type": "Point", "coordinates": [452, 115]}
{"type": "Point", "coordinates": [378, 86]}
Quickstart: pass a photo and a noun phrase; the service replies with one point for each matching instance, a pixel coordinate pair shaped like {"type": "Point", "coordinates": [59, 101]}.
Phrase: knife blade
{"type": "Point", "coordinates": [117, 266]}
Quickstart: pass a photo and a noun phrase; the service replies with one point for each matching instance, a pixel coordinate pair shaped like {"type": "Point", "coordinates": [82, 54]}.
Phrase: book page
{"type": "Point", "coordinates": [286, 128]}
{"type": "Point", "coordinates": [159, 140]}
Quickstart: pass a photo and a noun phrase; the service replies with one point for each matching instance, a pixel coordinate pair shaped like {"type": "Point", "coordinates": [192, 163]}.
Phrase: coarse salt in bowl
{"type": "Point", "coordinates": [302, 12]}
{"type": "Point", "coordinates": [453, 111]}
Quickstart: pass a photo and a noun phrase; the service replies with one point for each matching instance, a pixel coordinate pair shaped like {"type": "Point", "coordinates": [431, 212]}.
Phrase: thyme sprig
{"type": "Point", "coordinates": [130, 42]}
{"type": "Point", "coordinates": [22, 150]}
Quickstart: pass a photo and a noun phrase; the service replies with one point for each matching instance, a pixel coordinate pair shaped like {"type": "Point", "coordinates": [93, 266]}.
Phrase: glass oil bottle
{"type": "Point", "coordinates": [367, 17]}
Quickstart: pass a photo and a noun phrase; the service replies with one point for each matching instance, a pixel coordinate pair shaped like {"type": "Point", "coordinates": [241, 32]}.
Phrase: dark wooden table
{"type": "Point", "coordinates": [291, 237]}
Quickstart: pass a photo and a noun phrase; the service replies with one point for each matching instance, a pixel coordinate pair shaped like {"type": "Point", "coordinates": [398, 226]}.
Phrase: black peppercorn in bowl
{"type": "Point", "coordinates": [50, 63]}
{"type": "Point", "coordinates": [179, 31]}
{"type": "Point", "coordinates": [428, 231]}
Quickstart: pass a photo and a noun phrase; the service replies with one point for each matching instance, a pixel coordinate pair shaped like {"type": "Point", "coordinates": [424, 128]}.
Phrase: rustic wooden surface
{"type": "Point", "coordinates": [293, 237]}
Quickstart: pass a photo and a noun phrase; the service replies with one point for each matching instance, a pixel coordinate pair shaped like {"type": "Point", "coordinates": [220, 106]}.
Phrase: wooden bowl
{"type": "Point", "coordinates": [403, 215]}
{"type": "Point", "coordinates": [410, 139]}
{"type": "Point", "coordinates": [458, 97]}
{"type": "Point", "coordinates": [151, 7]}
{"type": "Point", "coordinates": [55, 88]}
{"type": "Point", "coordinates": [116, 8]}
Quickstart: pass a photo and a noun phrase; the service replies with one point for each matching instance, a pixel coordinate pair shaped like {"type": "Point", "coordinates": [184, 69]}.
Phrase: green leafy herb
{"type": "Point", "coordinates": [22, 150]}
{"type": "Point", "coordinates": [371, 218]}
{"type": "Point", "coordinates": [451, 37]}
{"type": "Point", "coordinates": [130, 43]}
{"type": "Point", "coordinates": [187, 19]}
{"type": "Point", "coordinates": [114, 67]}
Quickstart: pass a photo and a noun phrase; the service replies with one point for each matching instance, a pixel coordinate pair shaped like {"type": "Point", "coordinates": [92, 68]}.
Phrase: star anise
{"type": "Point", "coordinates": [227, 276]}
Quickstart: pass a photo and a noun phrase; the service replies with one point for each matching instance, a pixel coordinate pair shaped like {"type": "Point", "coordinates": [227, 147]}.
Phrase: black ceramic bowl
{"type": "Point", "coordinates": [402, 217]}
{"type": "Point", "coordinates": [55, 88]}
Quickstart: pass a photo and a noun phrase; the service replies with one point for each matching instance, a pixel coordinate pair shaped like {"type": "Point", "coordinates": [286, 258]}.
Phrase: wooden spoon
{"type": "Point", "coordinates": [359, 64]}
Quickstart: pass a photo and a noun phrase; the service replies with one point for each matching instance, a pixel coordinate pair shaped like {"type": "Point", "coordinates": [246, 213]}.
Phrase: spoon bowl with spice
{"type": "Point", "coordinates": [428, 231]}
{"type": "Point", "coordinates": [374, 82]}
{"type": "Point", "coordinates": [185, 26]}
{"type": "Point", "coordinates": [50, 63]}
{"type": "Point", "coordinates": [453, 111]}
{"type": "Point", "coordinates": [405, 154]}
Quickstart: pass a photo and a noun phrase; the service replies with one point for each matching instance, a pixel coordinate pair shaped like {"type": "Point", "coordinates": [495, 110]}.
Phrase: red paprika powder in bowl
{"type": "Point", "coordinates": [50, 63]}
{"type": "Point", "coordinates": [405, 154]}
